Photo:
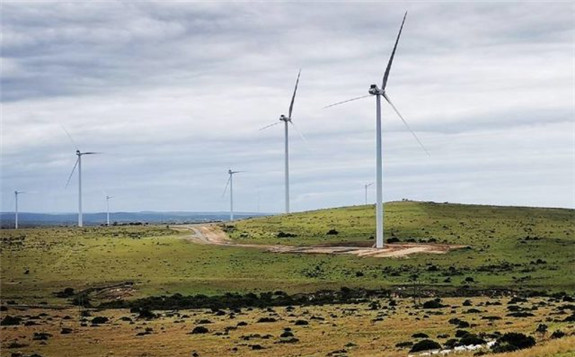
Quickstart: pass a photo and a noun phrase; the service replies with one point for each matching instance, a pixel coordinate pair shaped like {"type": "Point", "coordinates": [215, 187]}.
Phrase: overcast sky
{"type": "Point", "coordinates": [173, 95]}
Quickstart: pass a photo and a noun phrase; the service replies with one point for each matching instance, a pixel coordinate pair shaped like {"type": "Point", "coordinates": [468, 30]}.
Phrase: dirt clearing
{"type": "Point", "coordinates": [212, 234]}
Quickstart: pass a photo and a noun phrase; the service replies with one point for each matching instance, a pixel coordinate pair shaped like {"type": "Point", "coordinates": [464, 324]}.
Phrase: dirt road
{"type": "Point", "coordinates": [212, 234]}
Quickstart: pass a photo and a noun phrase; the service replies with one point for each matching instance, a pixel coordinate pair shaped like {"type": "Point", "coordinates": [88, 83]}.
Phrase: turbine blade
{"type": "Point", "coordinates": [384, 82]}
{"type": "Point", "coordinates": [346, 101]}
{"type": "Point", "coordinates": [70, 137]}
{"type": "Point", "coordinates": [293, 97]}
{"type": "Point", "coordinates": [72, 173]}
{"type": "Point", "coordinates": [269, 126]}
{"type": "Point", "coordinates": [91, 153]}
{"type": "Point", "coordinates": [298, 132]}
{"type": "Point", "coordinates": [405, 123]}
{"type": "Point", "coordinates": [226, 188]}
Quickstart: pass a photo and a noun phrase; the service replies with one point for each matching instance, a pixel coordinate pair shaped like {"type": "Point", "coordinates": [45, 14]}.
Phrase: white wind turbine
{"type": "Point", "coordinates": [230, 183]}
{"type": "Point", "coordinates": [287, 120]}
{"type": "Point", "coordinates": [79, 165]}
{"type": "Point", "coordinates": [108, 210]}
{"type": "Point", "coordinates": [378, 93]}
{"type": "Point", "coordinates": [16, 193]}
{"type": "Point", "coordinates": [366, 186]}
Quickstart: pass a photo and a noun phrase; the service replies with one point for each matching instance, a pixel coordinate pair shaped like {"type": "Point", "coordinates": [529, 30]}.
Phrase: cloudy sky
{"type": "Point", "coordinates": [173, 94]}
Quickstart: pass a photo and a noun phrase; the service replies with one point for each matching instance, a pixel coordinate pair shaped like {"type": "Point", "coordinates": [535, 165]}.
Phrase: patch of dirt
{"type": "Point", "coordinates": [212, 234]}
{"type": "Point", "coordinates": [365, 244]}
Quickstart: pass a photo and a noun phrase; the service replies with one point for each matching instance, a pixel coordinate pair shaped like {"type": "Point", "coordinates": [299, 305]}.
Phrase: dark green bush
{"type": "Point", "coordinates": [513, 341]}
{"type": "Point", "coordinates": [425, 345]}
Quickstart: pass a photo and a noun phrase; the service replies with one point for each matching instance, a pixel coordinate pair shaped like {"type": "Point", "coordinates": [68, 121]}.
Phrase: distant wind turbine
{"type": "Point", "coordinates": [365, 187]}
{"type": "Point", "coordinates": [230, 183]}
{"type": "Point", "coordinates": [287, 120]}
{"type": "Point", "coordinates": [79, 165]}
{"type": "Point", "coordinates": [108, 210]}
{"type": "Point", "coordinates": [16, 193]}
{"type": "Point", "coordinates": [378, 93]}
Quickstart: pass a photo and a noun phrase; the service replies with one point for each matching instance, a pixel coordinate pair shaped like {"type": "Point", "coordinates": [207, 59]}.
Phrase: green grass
{"type": "Point", "coordinates": [159, 261]}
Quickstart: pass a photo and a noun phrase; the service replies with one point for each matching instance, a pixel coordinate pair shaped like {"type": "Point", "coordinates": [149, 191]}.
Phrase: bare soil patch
{"type": "Point", "coordinates": [212, 234]}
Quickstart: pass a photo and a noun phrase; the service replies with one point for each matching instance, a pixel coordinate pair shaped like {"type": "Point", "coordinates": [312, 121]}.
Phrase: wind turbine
{"type": "Point", "coordinates": [287, 120]}
{"type": "Point", "coordinates": [365, 187]}
{"type": "Point", "coordinates": [16, 193]}
{"type": "Point", "coordinates": [108, 210]}
{"type": "Point", "coordinates": [231, 184]}
{"type": "Point", "coordinates": [79, 165]}
{"type": "Point", "coordinates": [378, 93]}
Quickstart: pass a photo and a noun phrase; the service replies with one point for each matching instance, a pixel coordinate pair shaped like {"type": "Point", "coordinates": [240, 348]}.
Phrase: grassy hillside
{"type": "Point", "coordinates": [511, 248]}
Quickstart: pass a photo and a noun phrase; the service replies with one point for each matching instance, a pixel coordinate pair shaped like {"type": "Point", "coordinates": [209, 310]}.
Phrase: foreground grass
{"type": "Point", "coordinates": [354, 330]}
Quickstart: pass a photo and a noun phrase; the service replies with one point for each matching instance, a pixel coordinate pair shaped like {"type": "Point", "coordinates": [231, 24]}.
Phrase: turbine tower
{"type": "Point", "coordinates": [365, 187]}
{"type": "Point", "coordinates": [378, 93]}
{"type": "Point", "coordinates": [16, 193]}
{"type": "Point", "coordinates": [287, 120]}
{"type": "Point", "coordinates": [230, 183]}
{"type": "Point", "coordinates": [108, 210]}
{"type": "Point", "coordinates": [79, 165]}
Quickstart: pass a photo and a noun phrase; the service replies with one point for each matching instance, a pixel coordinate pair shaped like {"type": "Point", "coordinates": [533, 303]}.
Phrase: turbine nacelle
{"type": "Point", "coordinates": [284, 118]}
{"type": "Point", "coordinates": [373, 90]}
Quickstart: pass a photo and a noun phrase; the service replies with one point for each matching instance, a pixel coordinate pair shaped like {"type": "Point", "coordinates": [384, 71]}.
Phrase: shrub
{"type": "Point", "coordinates": [146, 314]}
{"type": "Point", "coordinates": [404, 344]}
{"type": "Point", "coordinates": [433, 304]}
{"type": "Point", "coordinates": [491, 318]}
{"type": "Point", "coordinates": [420, 335]}
{"type": "Point", "coordinates": [425, 345]}
{"type": "Point", "coordinates": [332, 232]}
{"type": "Point", "coordinates": [11, 321]}
{"type": "Point", "coordinates": [266, 319]}
{"type": "Point", "coordinates": [458, 322]}
{"type": "Point", "coordinates": [451, 343]}
{"type": "Point", "coordinates": [520, 314]}
{"type": "Point", "coordinates": [199, 330]}
{"type": "Point", "coordinates": [557, 334]}
{"type": "Point", "coordinates": [301, 323]}
{"type": "Point", "coordinates": [41, 336]}
{"type": "Point", "coordinates": [461, 333]}
{"type": "Point", "coordinates": [471, 339]}
{"type": "Point", "coordinates": [570, 318]}
{"type": "Point", "coordinates": [513, 341]}
{"type": "Point", "coordinates": [393, 240]}
{"type": "Point", "coordinates": [99, 320]}
{"type": "Point", "coordinates": [542, 328]}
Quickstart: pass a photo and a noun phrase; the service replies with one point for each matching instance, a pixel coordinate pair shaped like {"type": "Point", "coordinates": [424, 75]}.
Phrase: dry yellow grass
{"type": "Point", "coordinates": [331, 328]}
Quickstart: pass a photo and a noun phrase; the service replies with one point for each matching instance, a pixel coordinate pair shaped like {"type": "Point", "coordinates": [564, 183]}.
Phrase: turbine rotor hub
{"type": "Point", "coordinates": [284, 118]}
{"type": "Point", "coordinates": [373, 90]}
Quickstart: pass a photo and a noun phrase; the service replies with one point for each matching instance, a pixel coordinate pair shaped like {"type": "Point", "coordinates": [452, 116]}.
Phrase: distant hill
{"type": "Point", "coordinates": [27, 219]}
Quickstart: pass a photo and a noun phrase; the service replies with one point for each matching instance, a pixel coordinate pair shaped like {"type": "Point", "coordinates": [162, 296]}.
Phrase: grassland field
{"type": "Point", "coordinates": [514, 248]}
{"type": "Point", "coordinates": [510, 248]}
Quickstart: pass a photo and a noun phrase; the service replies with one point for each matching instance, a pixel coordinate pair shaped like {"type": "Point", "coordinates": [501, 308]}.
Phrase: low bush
{"type": "Point", "coordinates": [199, 330]}
{"type": "Point", "coordinates": [433, 304]}
{"type": "Point", "coordinates": [11, 321]}
{"type": "Point", "coordinates": [425, 345]}
{"type": "Point", "coordinates": [513, 341]}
